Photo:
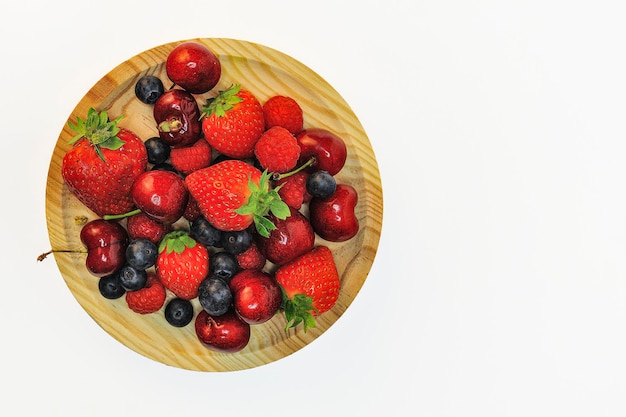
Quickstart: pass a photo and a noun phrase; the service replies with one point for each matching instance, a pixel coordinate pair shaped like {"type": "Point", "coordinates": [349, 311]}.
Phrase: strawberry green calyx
{"type": "Point", "coordinates": [224, 101]}
{"type": "Point", "coordinates": [98, 130]}
{"type": "Point", "coordinates": [262, 202]}
{"type": "Point", "coordinates": [176, 241]}
{"type": "Point", "coordinates": [298, 310]}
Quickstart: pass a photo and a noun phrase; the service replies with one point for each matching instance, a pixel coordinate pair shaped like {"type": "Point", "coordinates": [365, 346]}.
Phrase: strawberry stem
{"type": "Point", "coordinates": [298, 309]}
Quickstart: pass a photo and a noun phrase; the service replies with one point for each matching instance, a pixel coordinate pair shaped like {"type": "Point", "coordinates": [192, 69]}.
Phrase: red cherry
{"type": "Point", "coordinates": [333, 218]}
{"type": "Point", "coordinates": [106, 243]}
{"type": "Point", "coordinates": [328, 149]}
{"type": "Point", "coordinates": [291, 238]}
{"type": "Point", "coordinates": [160, 194]}
{"type": "Point", "coordinates": [256, 295]}
{"type": "Point", "coordinates": [225, 333]}
{"type": "Point", "coordinates": [177, 115]}
{"type": "Point", "coordinates": [193, 67]}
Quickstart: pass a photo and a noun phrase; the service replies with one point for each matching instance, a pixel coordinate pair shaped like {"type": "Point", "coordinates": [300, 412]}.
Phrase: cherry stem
{"type": "Point", "coordinates": [45, 254]}
{"type": "Point", "coordinates": [278, 176]}
{"type": "Point", "coordinates": [121, 216]}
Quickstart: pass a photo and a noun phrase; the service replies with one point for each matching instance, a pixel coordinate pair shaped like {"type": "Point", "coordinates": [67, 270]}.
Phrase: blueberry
{"type": "Point", "coordinates": [236, 242]}
{"type": "Point", "coordinates": [215, 296]}
{"type": "Point", "coordinates": [321, 184]}
{"type": "Point", "coordinates": [132, 279]}
{"type": "Point", "coordinates": [158, 150]}
{"type": "Point", "coordinates": [141, 253]}
{"type": "Point", "coordinates": [111, 287]}
{"type": "Point", "coordinates": [204, 232]}
{"type": "Point", "coordinates": [223, 265]}
{"type": "Point", "coordinates": [179, 312]}
{"type": "Point", "coordinates": [163, 166]}
{"type": "Point", "coordinates": [149, 88]}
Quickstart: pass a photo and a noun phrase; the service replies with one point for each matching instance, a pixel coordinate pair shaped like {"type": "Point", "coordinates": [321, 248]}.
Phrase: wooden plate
{"type": "Point", "coordinates": [265, 72]}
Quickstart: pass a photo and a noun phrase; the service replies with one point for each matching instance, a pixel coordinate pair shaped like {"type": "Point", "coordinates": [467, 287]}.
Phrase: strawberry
{"type": "Point", "coordinates": [191, 158]}
{"type": "Point", "coordinates": [277, 150]}
{"type": "Point", "coordinates": [283, 111]}
{"type": "Point", "coordinates": [293, 189]}
{"type": "Point", "coordinates": [182, 264]}
{"type": "Point", "coordinates": [105, 160]}
{"type": "Point", "coordinates": [233, 194]}
{"type": "Point", "coordinates": [232, 122]}
{"type": "Point", "coordinates": [310, 286]}
{"type": "Point", "coordinates": [149, 299]}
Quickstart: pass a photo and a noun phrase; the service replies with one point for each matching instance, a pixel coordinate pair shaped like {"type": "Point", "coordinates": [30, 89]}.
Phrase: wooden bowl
{"type": "Point", "coordinates": [265, 72]}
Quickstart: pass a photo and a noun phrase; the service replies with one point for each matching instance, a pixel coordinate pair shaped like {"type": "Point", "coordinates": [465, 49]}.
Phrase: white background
{"type": "Point", "coordinates": [499, 288]}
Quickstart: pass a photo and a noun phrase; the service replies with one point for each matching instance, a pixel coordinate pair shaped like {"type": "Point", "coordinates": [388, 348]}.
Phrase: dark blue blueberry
{"type": "Point", "coordinates": [179, 312]}
{"type": "Point", "coordinates": [215, 296]}
{"type": "Point", "coordinates": [141, 253]}
{"type": "Point", "coordinates": [236, 242]}
{"type": "Point", "coordinates": [111, 287]}
{"type": "Point", "coordinates": [321, 184]}
{"type": "Point", "coordinates": [132, 279]}
{"type": "Point", "coordinates": [223, 265]}
{"type": "Point", "coordinates": [149, 88]}
{"type": "Point", "coordinates": [204, 232]}
{"type": "Point", "coordinates": [158, 150]}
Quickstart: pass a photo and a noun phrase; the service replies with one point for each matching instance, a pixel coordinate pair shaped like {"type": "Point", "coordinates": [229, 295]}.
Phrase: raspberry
{"type": "Point", "coordinates": [293, 191]}
{"type": "Point", "coordinates": [192, 211]}
{"type": "Point", "coordinates": [141, 226]}
{"type": "Point", "coordinates": [251, 258]}
{"type": "Point", "coordinates": [283, 111]}
{"type": "Point", "coordinates": [277, 150]}
{"type": "Point", "coordinates": [191, 158]}
{"type": "Point", "coordinates": [149, 299]}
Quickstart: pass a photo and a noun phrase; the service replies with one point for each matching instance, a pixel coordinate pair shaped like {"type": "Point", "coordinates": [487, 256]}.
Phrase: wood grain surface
{"type": "Point", "coordinates": [265, 72]}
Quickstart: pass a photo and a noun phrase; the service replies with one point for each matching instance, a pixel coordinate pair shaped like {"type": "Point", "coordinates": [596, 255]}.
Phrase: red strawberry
{"type": "Point", "coordinates": [182, 264]}
{"type": "Point", "coordinates": [283, 111]}
{"type": "Point", "coordinates": [233, 194]}
{"type": "Point", "coordinates": [251, 258]}
{"type": "Point", "coordinates": [233, 122]}
{"type": "Point", "coordinates": [277, 150]}
{"type": "Point", "coordinates": [141, 225]}
{"type": "Point", "coordinates": [311, 286]}
{"type": "Point", "coordinates": [191, 158]}
{"type": "Point", "coordinates": [105, 160]}
{"type": "Point", "coordinates": [293, 189]}
{"type": "Point", "coordinates": [149, 299]}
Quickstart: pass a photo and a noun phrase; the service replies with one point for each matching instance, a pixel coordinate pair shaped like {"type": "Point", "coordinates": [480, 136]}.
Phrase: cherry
{"type": "Point", "coordinates": [177, 115]}
{"type": "Point", "coordinates": [292, 237]}
{"type": "Point", "coordinates": [161, 195]}
{"type": "Point", "coordinates": [333, 218]}
{"type": "Point", "coordinates": [257, 296]}
{"type": "Point", "coordinates": [193, 67]}
{"type": "Point", "coordinates": [328, 149]}
{"type": "Point", "coordinates": [225, 333]}
{"type": "Point", "coordinates": [106, 244]}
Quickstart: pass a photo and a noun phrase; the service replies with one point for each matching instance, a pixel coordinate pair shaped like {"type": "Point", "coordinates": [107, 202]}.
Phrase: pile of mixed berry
{"type": "Point", "coordinates": [222, 205]}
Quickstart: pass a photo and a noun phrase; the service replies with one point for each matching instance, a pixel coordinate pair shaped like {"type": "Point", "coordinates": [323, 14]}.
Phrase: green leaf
{"type": "Point", "coordinates": [280, 209]}
{"type": "Point", "coordinates": [98, 130]}
{"type": "Point", "coordinates": [299, 310]}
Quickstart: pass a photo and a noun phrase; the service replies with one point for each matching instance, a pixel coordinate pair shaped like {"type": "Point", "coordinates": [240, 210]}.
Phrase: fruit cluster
{"type": "Point", "coordinates": [222, 205]}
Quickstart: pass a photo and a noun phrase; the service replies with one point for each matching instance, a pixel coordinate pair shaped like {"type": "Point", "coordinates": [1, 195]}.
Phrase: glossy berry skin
{"type": "Point", "coordinates": [132, 279]}
{"type": "Point", "coordinates": [178, 312]}
{"type": "Point", "coordinates": [177, 116]}
{"type": "Point", "coordinates": [149, 88]}
{"type": "Point", "coordinates": [223, 265]}
{"type": "Point", "coordinates": [256, 296]}
{"type": "Point", "coordinates": [329, 150]}
{"type": "Point", "coordinates": [321, 184]}
{"type": "Point", "coordinates": [226, 333]}
{"type": "Point", "coordinates": [106, 243]}
{"type": "Point", "coordinates": [333, 218]}
{"type": "Point", "coordinates": [236, 242]}
{"type": "Point", "coordinates": [162, 195]}
{"type": "Point", "coordinates": [158, 150]}
{"type": "Point", "coordinates": [141, 253]}
{"type": "Point", "coordinates": [204, 232]}
{"type": "Point", "coordinates": [214, 296]}
{"type": "Point", "coordinates": [110, 286]}
{"type": "Point", "coordinates": [194, 67]}
{"type": "Point", "coordinates": [291, 238]}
